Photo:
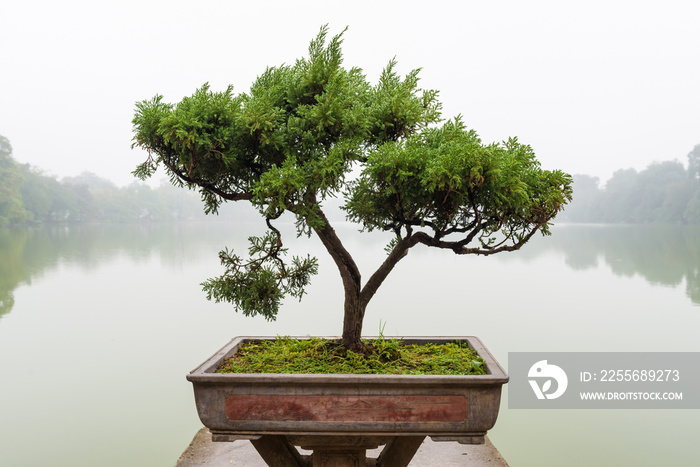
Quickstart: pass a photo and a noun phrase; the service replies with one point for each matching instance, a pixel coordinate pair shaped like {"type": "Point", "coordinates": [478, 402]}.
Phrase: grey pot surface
{"type": "Point", "coordinates": [445, 407]}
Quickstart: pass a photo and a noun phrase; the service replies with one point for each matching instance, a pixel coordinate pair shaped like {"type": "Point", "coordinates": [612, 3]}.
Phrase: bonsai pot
{"type": "Point", "coordinates": [348, 413]}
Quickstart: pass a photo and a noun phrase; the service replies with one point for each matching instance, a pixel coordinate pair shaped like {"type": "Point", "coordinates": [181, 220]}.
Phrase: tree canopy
{"type": "Point", "coordinates": [315, 129]}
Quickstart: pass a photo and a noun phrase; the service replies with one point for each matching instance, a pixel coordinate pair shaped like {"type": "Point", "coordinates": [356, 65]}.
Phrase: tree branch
{"type": "Point", "coordinates": [240, 196]}
{"type": "Point", "coordinates": [459, 247]}
{"type": "Point", "coordinates": [342, 258]}
{"type": "Point", "coordinates": [397, 253]}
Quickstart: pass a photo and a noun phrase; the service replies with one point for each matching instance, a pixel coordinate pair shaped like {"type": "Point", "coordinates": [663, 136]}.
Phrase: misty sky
{"type": "Point", "coordinates": [592, 86]}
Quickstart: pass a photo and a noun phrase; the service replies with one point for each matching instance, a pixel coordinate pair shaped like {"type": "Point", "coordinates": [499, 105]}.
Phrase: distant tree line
{"type": "Point", "coordinates": [664, 192]}
{"type": "Point", "coordinates": [28, 197]}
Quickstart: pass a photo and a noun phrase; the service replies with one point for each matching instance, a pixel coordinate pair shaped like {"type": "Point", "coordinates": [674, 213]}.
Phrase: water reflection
{"type": "Point", "coordinates": [115, 299]}
{"type": "Point", "coordinates": [662, 255]}
{"type": "Point", "coordinates": [12, 273]}
{"type": "Point", "coordinates": [26, 254]}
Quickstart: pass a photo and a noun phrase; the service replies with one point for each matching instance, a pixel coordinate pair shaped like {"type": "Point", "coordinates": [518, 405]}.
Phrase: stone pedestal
{"type": "Point", "coordinates": [204, 452]}
{"type": "Point", "coordinates": [337, 451]}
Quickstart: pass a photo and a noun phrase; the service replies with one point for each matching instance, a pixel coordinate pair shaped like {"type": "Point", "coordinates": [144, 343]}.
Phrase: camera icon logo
{"type": "Point", "coordinates": [542, 371]}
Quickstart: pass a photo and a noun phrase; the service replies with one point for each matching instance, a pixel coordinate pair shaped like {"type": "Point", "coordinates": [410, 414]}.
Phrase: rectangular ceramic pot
{"type": "Point", "coordinates": [448, 407]}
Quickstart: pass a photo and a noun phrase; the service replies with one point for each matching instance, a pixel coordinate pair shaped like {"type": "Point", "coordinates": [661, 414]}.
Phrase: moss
{"type": "Point", "coordinates": [376, 356]}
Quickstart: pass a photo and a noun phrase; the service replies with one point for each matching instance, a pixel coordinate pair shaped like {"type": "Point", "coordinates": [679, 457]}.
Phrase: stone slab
{"type": "Point", "coordinates": [203, 452]}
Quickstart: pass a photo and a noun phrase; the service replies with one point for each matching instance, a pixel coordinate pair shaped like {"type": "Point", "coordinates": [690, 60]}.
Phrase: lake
{"type": "Point", "coordinates": [100, 324]}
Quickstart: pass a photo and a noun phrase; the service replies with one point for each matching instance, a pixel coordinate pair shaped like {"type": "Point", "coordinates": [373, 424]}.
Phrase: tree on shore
{"type": "Point", "coordinates": [11, 206]}
{"type": "Point", "coordinates": [30, 197]}
{"type": "Point", "coordinates": [314, 130]}
{"type": "Point", "coordinates": [663, 193]}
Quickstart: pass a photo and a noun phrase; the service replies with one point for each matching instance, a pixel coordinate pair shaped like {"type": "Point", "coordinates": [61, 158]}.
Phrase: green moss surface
{"type": "Point", "coordinates": [376, 356]}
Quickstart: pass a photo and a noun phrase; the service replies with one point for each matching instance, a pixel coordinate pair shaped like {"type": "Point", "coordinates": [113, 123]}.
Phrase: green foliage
{"type": "Point", "coordinates": [303, 132]}
{"type": "Point", "coordinates": [298, 131]}
{"type": "Point", "coordinates": [446, 179]}
{"type": "Point", "coordinates": [379, 356]}
{"type": "Point", "coordinates": [256, 287]}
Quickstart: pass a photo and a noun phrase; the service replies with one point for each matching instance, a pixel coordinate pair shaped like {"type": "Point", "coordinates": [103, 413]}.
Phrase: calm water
{"type": "Point", "coordinates": [100, 324]}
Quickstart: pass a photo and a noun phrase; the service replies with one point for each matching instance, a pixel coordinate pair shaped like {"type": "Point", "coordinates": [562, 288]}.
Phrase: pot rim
{"type": "Point", "coordinates": [205, 373]}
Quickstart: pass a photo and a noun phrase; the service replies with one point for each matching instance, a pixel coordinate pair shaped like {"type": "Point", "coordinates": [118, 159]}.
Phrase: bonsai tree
{"type": "Point", "coordinates": [314, 130]}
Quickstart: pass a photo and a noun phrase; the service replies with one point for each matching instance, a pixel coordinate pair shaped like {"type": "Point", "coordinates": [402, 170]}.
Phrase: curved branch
{"type": "Point", "coordinates": [397, 253]}
{"type": "Point", "coordinates": [275, 250]}
{"type": "Point", "coordinates": [240, 196]}
{"type": "Point", "coordinates": [460, 248]}
{"type": "Point", "coordinates": [349, 271]}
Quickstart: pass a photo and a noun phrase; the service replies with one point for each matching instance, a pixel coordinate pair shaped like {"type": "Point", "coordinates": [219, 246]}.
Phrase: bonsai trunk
{"type": "Point", "coordinates": [352, 321]}
{"type": "Point", "coordinates": [356, 296]}
{"type": "Point", "coordinates": [350, 274]}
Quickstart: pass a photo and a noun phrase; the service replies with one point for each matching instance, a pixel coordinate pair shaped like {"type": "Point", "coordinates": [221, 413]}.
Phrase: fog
{"type": "Point", "coordinates": [593, 87]}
